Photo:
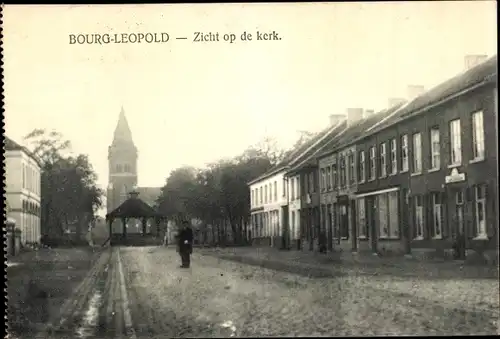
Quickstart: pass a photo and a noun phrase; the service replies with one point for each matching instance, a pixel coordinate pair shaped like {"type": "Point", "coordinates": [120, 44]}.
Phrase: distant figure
{"type": "Point", "coordinates": [185, 244]}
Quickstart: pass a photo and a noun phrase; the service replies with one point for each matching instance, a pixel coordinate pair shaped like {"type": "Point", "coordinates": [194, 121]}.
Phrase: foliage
{"type": "Point", "coordinates": [69, 193]}
{"type": "Point", "coordinates": [218, 195]}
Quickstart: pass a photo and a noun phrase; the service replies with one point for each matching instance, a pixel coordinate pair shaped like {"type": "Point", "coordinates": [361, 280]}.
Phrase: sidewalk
{"type": "Point", "coordinates": [364, 264]}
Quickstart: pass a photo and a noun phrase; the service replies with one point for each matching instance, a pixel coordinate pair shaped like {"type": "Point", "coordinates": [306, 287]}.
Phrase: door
{"type": "Point", "coordinates": [460, 238]}
{"type": "Point", "coordinates": [329, 226]}
{"type": "Point", "coordinates": [344, 222]}
{"type": "Point", "coordinates": [371, 209]}
{"type": "Point", "coordinates": [286, 226]}
{"type": "Point", "coordinates": [354, 227]}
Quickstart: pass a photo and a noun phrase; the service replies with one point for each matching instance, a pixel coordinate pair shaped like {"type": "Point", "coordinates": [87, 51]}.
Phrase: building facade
{"type": "Point", "coordinates": [302, 176]}
{"type": "Point", "coordinates": [338, 172]}
{"type": "Point", "coordinates": [431, 176]}
{"type": "Point", "coordinates": [23, 190]}
{"type": "Point", "coordinates": [268, 208]}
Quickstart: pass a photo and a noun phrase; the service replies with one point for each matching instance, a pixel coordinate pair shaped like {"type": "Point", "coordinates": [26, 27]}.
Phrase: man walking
{"type": "Point", "coordinates": [185, 244]}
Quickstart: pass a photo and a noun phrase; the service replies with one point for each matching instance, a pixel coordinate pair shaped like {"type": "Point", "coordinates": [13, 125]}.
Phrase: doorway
{"type": "Point", "coordinates": [460, 237]}
{"type": "Point", "coordinates": [371, 213]}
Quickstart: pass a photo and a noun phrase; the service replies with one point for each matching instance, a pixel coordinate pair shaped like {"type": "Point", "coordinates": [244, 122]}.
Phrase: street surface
{"type": "Point", "coordinates": [139, 292]}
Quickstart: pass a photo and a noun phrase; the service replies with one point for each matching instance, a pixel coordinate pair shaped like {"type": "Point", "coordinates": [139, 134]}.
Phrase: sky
{"type": "Point", "coordinates": [190, 103]}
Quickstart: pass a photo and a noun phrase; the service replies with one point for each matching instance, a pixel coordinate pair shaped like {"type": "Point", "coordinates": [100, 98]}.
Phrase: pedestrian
{"type": "Point", "coordinates": [185, 244]}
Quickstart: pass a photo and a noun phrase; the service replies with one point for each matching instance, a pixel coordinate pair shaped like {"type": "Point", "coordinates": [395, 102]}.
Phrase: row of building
{"type": "Point", "coordinates": [417, 178]}
{"type": "Point", "coordinates": [22, 193]}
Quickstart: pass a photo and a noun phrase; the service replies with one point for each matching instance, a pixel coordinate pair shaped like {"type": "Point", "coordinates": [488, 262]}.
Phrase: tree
{"type": "Point", "coordinates": [218, 195]}
{"type": "Point", "coordinates": [69, 193]}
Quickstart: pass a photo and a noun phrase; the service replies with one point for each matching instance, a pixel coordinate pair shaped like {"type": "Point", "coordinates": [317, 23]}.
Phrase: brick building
{"type": "Point", "coordinates": [435, 170]}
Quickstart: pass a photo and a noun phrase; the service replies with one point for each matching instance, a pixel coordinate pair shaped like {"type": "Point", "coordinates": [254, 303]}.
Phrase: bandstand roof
{"type": "Point", "coordinates": [133, 207]}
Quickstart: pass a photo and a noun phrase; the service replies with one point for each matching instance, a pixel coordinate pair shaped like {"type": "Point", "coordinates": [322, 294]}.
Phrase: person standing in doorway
{"type": "Point", "coordinates": [185, 243]}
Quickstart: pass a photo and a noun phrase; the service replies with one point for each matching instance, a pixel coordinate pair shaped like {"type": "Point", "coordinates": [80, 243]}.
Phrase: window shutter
{"type": "Point", "coordinates": [489, 195]}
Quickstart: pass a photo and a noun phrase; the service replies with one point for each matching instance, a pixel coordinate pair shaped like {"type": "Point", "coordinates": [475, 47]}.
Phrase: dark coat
{"type": "Point", "coordinates": [186, 235]}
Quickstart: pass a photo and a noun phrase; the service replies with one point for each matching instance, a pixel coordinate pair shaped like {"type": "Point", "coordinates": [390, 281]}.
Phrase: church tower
{"type": "Point", "coordinates": [122, 161]}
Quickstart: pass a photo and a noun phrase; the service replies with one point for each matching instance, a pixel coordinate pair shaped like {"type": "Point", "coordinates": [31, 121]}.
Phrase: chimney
{"type": "Point", "coordinates": [336, 118]}
{"type": "Point", "coordinates": [354, 115]}
{"type": "Point", "coordinates": [414, 91]}
{"type": "Point", "coordinates": [369, 112]}
{"type": "Point", "coordinates": [395, 101]}
{"type": "Point", "coordinates": [471, 61]}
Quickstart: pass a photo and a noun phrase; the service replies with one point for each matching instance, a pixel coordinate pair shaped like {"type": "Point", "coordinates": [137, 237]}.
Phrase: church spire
{"type": "Point", "coordinates": [122, 134]}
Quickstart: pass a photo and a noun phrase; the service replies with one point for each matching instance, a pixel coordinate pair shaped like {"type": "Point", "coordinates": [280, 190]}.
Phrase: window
{"type": "Point", "coordinates": [373, 168]}
{"type": "Point", "coordinates": [351, 168]}
{"type": "Point", "coordinates": [323, 179]}
{"type": "Point", "coordinates": [265, 195]}
{"type": "Point", "coordinates": [292, 188]}
{"type": "Point", "coordinates": [437, 215]}
{"type": "Point", "coordinates": [311, 182]}
{"type": "Point", "coordinates": [297, 183]}
{"type": "Point", "coordinates": [361, 171]}
{"type": "Point", "coordinates": [394, 158]}
{"type": "Point", "coordinates": [334, 176]}
{"type": "Point", "coordinates": [328, 178]}
{"type": "Point", "coordinates": [478, 135]}
{"type": "Point", "coordinates": [261, 193]}
{"type": "Point", "coordinates": [275, 191]}
{"type": "Point", "coordinates": [362, 225]}
{"type": "Point", "coordinates": [343, 178]}
{"type": "Point", "coordinates": [435, 149]}
{"type": "Point", "coordinates": [119, 168]}
{"type": "Point", "coordinates": [404, 153]}
{"type": "Point", "coordinates": [419, 217]}
{"type": "Point", "coordinates": [417, 153]}
{"type": "Point", "coordinates": [284, 187]}
{"type": "Point", "coordinates": [383, 155]}
{"type": "Point", "coordinates": [251, 198]}
{"type": "Point", "coordinates": [480, 211]}
{"type": "Point", "coordinates": [455, 143]}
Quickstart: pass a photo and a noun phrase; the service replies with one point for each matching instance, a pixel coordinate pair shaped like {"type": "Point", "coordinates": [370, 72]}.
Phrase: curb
{"type": "Point", "coordinates": [82, 294]}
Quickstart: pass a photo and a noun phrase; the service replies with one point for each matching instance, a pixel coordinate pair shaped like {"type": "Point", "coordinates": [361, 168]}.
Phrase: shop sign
{"type": "Point", "coordinates": [454, 177]}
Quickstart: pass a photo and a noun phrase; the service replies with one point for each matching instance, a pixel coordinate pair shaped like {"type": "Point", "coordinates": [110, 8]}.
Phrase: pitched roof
{"type": "Point", "coordinates": [149, 194]}
{"type": "Point", "coordinates": [11, 145]}
{"type": "Point", "coordinates": [332, 134]}
{"type": "Point", "coordinates": [300, 152]}
{"type": "Point", "coordinates": [133, 207]}
{"type": "Point", "coordinates": [477, 75]}
{"type": "Point", "coordinates": [352, 132]}
{"type": "Point", "coordinates": [122, 134]}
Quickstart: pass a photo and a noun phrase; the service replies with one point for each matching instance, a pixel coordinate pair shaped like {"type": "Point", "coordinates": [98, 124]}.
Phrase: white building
{"type": "Point", "coordinates": [22, 191]}
{"type": "Point", "coordinates": [268, 206]}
